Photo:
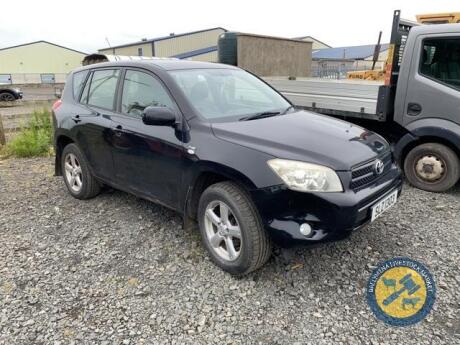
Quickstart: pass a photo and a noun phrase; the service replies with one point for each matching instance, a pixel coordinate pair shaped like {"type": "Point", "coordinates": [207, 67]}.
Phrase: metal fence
{"type": "Point", "coordinates": [339, 71]}
{"type": "Point", "coordinates": [333, 72]}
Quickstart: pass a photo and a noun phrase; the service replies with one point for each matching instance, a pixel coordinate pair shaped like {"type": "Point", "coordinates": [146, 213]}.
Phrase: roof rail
{"type": "Point", "coordinates": [98, 58]}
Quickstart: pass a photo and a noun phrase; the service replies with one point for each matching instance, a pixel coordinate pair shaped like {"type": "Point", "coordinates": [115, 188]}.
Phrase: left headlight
{"type": "Point", "coordinates": [306, 177]}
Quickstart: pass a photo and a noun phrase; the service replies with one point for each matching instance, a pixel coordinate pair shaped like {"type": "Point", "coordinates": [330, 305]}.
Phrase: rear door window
{"type": "Point", "coordinates": [441, 61]}
{"type": "Point", "coordinates": [102, 90]}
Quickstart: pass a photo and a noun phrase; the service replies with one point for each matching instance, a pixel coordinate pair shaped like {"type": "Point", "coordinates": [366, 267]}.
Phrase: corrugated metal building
{"type": "Point", "coordinates": [353, 52]}
{"type": "Point", "coordinates": [37, 62]}
{"type": "Point", "coordinates": [316, 44]}
{"type": "Point", "coordinates": [345, 59]}
{"type": "Point", "coordinates": [197, 45]}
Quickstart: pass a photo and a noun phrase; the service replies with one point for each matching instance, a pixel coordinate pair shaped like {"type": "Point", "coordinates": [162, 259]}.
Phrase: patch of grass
{"type": "Point", "coordinates": [35, 139]}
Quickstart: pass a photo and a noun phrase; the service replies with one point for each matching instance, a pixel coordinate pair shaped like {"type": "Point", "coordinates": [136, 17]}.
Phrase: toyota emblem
{"type": "Point", "coordinates": [379, 166]}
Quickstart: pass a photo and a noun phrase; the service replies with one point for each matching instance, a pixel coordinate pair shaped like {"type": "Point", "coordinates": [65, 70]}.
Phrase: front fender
{"type": "Point", "coordinates": [220, 169]}
{"type": "Point", "coordinates": [192, 184]}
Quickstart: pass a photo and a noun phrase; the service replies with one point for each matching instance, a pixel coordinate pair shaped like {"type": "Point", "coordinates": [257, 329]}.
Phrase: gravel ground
{"type": "Point", "coordinates": [120, 270]}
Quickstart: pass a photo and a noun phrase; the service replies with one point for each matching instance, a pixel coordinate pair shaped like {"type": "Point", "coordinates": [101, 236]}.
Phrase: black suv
{"type": "Point", "coordinates": [225, 149]}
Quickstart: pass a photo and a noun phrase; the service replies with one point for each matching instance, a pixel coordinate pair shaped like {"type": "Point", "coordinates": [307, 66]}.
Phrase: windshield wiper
{"type": "Point", "coordinates": [287, 109]}
{"type": "Point", "coordinates": [260, 115]}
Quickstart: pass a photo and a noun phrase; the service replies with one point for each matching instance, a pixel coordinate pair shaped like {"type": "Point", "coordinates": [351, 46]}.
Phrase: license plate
{"type": "Point", "coordinates": [384, 205]}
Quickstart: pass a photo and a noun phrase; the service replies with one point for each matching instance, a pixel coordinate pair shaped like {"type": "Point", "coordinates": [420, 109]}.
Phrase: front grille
{"type": "Point", "coordinates": [365, 174]}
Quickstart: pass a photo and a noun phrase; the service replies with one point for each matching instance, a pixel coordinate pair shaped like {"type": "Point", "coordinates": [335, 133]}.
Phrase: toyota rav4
{"type": "Point", "coordinates": [225, 150]}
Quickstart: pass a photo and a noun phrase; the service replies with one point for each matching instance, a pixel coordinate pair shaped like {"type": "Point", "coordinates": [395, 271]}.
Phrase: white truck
{"type": "Point", "coordinates": [417, 108]}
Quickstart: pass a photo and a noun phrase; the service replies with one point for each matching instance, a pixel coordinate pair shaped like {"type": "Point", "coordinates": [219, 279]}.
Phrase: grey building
{"type": "Point", "coordinates": [316, 44]}
{"type": "Point", "coordinates": [197, 45]}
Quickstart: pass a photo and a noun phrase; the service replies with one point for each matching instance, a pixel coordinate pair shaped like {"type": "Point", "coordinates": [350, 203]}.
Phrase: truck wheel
{"type": "Point", "coordinates": [432, 167]}
{"type": "Point", "coordinates": [231, 229]}
{"type": "Point", "coordinates": [77, 176]}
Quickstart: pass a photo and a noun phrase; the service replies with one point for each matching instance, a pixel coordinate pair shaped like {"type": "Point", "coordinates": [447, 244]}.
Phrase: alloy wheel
{"type": "Point", "coordinates": [73, 172]}
{"type": "Point", "coordinates": [223, 231]}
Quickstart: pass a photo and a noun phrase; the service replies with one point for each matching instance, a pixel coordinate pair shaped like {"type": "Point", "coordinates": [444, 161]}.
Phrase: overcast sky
{"type": "Point", "coordinates": [85, 24]}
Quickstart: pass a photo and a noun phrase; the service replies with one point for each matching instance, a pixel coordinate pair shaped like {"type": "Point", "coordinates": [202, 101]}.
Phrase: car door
{"type": "Point", "coordinates": [433, 87]}
{"type": "Point", "coordinates": [147, 159]}
{"type": "Point", "coordinates": [92, 121]}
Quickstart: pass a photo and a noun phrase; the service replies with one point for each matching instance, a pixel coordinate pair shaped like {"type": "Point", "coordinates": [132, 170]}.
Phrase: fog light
{"type": "Point", "coordinates": [305, 229]}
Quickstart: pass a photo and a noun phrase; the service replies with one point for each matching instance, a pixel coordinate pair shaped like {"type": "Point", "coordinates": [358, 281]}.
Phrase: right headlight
{"type": "Point", "coordinates": [306, 177]}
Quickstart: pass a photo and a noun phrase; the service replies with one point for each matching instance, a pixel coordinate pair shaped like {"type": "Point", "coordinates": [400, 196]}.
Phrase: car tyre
{"type": "Point", "coordinates": [229, 204]}
{"type": "Point", "coordinates": [432, 167]}
{"type": "Point", "coordinates": [80, 183]}
{"type": "Point", "coordinates": [7, 97]}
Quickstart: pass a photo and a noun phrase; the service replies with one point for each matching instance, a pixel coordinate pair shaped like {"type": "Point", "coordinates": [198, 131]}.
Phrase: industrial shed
{"type": "Point", "coordinates": [344, 59]}
{"type": "Point", "coordinates": [37, 62]}
{"type": "Point", "coordinates": [196, 45]}
{"type": "Point", "coordinates": [316, 44]}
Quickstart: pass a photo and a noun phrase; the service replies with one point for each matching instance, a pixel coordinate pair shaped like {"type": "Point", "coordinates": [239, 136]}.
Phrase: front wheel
{"type": "Point", "coordinates": [432, 167]}
{"type": "Point", "coordinates": [231, 229]}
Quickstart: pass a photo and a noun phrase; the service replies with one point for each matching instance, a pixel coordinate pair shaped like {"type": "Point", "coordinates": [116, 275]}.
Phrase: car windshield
{"type": "Point", "coordinates": [219, 94]}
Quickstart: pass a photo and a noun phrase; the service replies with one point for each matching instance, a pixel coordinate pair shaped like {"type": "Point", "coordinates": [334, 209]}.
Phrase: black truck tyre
{"type": "Point", "coordinates": [80, 183]}
{"type": "Point", "coordinates": [231, 229]}
{"type": "Point", "coordinates": [432, 167]}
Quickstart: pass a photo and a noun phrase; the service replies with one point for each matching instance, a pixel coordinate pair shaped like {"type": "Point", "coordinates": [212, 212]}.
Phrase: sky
{"type": "Point", "coordinates": [86, 25]}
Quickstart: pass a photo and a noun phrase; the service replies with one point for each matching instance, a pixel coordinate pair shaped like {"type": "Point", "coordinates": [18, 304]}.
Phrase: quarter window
{"type": "Point", "coordinates": [102, 89]}
{"type": "Point", "coordinates": [141, 90]}
{"type": "Point", "coordinates": [78, 82]}
{"type": "Point", "coordinates": [84, 94]}
{"type": "Point", "coordinates": [441, 61]}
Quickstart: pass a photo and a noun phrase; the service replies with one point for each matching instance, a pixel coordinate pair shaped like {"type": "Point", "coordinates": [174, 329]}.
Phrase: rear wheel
{"type": "Point", "coordinates": [231, 229]}
{"type": "Point", "coordinates": [432, 167]}
{"type": "Point", "coordinates": [77, 176]}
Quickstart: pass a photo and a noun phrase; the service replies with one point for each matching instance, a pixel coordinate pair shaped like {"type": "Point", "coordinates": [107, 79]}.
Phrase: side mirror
{"type": "Point", "coordinates": [158, 116]}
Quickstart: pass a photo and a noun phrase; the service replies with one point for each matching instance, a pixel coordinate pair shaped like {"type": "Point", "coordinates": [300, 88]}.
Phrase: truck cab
{"type": "Point", "coordinates": [427, 106]}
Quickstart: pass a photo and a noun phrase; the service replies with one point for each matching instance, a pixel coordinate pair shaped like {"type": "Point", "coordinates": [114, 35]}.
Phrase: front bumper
{"type": "Point", "coordinates": [333, 216]}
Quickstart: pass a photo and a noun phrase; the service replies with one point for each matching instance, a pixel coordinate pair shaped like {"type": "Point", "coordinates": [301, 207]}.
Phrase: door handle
{"type": "Point", "coordinates": [414, 109]}
{"type": "Point", "coordinates": [76, 118]}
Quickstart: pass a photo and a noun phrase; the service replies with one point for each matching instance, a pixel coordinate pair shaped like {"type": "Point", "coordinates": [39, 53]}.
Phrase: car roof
{"type": "Point", "coordinates": [163, 64]}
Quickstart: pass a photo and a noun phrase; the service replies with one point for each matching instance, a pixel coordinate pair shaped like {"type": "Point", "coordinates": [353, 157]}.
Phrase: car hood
{"type": "Point", "coordinates": [306, 136]}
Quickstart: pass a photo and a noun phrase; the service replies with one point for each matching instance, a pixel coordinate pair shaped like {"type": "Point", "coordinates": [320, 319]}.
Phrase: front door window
{"type": "Point", "coordinates": [441, 60]}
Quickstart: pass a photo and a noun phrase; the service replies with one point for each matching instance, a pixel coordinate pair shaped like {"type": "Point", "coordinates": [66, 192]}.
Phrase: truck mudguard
{"type": "Point", "coordinates": [433, 127]}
